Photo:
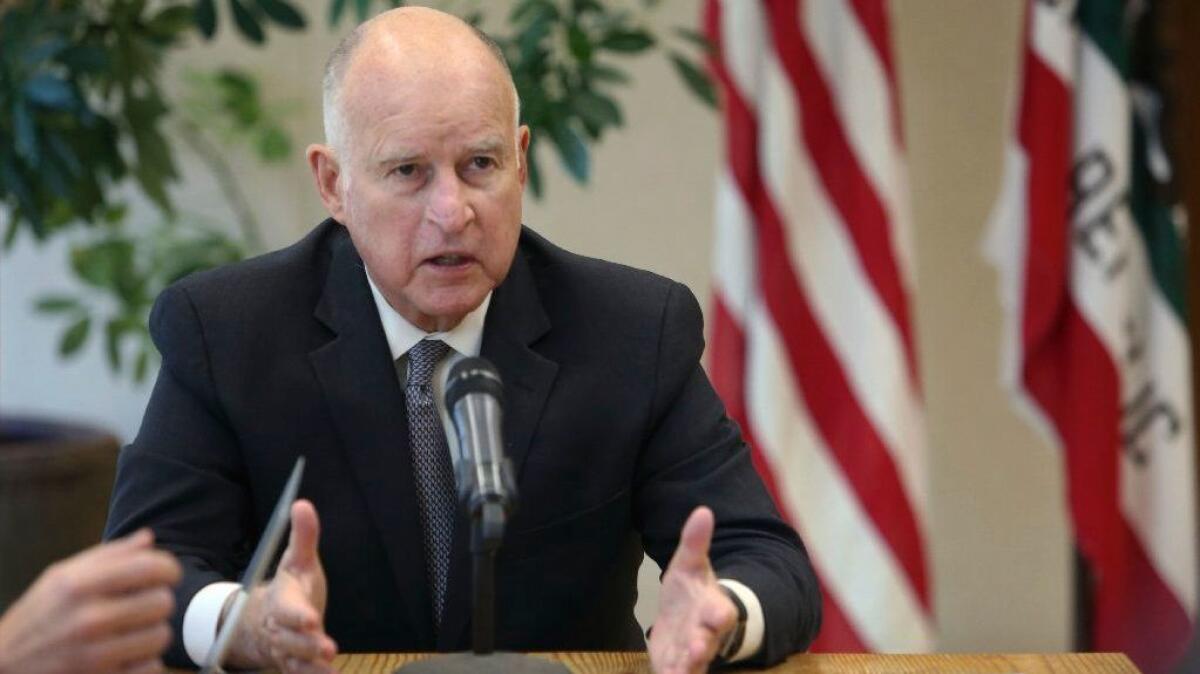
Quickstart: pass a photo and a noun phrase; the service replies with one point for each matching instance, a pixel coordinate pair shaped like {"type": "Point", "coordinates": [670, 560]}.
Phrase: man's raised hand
{"type": "Point", "coordinates": [694, 614]}
{"type": "Point", "coordinates": [284, 624]}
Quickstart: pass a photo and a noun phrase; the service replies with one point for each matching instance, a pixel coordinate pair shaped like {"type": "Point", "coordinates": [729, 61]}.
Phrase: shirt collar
{"type": "Point", "coordinates": [465, 338]}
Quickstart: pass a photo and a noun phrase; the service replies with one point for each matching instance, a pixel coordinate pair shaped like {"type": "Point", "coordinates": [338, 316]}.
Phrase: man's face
{"type": "Point", "coordinates": [432, 178]}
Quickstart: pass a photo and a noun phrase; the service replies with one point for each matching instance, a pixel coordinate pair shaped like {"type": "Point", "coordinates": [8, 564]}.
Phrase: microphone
{"type": "Point", "coordinates": [475, 399]}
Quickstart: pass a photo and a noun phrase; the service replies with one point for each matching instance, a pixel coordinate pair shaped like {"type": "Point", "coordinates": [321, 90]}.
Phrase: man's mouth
{"type": "Point", "coordinates": [450, 260]}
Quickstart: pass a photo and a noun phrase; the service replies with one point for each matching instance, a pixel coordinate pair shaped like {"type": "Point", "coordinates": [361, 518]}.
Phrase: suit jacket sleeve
{"type": "Point", "coordinates": [696, 456]}
{"type": "Point", "coordinates": [183, 472]}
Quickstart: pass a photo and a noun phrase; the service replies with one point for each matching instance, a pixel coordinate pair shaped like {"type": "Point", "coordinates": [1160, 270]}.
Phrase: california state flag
{"type": "Point", "coordinates": [1091, 267]}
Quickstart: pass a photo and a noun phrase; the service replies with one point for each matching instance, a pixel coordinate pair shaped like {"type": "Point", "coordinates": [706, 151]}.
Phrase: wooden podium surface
{"type": "Point", "coordinates": [636, 663]}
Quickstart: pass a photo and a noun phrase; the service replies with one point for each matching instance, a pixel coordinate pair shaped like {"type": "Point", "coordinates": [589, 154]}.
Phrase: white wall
{"type": "Point", "coordinates": [999, 540]}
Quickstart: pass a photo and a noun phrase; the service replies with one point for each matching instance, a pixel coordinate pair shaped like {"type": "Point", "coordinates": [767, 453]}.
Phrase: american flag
{"type": "Point", "coordinates": [812, 345]}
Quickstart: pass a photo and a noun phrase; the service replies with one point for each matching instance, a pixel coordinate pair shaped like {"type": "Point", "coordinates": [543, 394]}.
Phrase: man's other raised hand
{"type": "Point", "coordinates": [694, 614]}
{"type": "Point", "coordinates": [284, 622]}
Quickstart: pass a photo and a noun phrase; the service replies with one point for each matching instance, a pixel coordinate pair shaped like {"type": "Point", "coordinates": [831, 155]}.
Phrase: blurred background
{"type": "Point", "coordinates": [997, 534]}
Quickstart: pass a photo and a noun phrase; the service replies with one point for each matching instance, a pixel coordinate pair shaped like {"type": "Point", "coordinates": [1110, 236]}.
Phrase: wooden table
{"type": "Point", "coordinates": [636, 663]}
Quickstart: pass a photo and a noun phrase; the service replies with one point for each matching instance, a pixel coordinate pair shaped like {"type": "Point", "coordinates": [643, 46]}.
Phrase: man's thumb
{"type": "Point", "coordinates": [301, 554]}
{"type": "Point", "coordinates": [694, 540]}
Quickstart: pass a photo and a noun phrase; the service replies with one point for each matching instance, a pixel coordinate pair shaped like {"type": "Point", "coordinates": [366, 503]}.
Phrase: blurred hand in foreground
{"type": "Point", "coordinates": [103, 611]}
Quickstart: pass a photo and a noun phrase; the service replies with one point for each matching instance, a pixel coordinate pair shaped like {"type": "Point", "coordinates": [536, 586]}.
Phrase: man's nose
{"type": "Point", "coordinates": [447, 207]}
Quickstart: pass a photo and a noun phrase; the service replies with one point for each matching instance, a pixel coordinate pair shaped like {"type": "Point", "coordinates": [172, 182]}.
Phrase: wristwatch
{"type": "Point", "coordinates": [733, 640]}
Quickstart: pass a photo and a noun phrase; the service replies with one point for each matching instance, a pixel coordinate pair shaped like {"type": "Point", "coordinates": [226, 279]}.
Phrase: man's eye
{"type": "Point", "coordinates": [406, 170]}
{"type": "Point", "coordinates": [482, 162]}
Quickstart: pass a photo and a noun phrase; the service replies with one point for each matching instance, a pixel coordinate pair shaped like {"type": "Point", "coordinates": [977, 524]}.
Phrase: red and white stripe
{"type": "Point", "coordinates": [812, 345]}
{"type": "Point", "coordinates": [1069, 336]}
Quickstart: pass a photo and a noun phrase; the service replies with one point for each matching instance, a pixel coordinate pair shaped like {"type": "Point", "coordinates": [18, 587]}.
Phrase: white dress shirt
{"type": "Point", "coordinates": [204, 610]}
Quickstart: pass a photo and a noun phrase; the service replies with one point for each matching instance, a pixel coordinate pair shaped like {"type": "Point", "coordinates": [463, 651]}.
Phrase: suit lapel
{"type": "Point", "coordinates": [360, 385]}
{"type": "Point", "coordinates": [515, 320]}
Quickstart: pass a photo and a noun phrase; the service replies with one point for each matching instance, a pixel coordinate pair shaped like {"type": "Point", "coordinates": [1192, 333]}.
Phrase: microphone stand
{"type": "Point", "coordinates": [487, 530]}
{"type": "Point", "coordinates": [488, 520]}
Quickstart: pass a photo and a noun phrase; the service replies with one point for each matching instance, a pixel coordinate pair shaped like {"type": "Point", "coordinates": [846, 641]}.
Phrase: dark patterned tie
{"type": "Point", "coordinates": [432, 469]}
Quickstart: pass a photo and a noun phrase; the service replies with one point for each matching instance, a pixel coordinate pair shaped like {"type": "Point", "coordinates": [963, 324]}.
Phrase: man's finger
{"type": "Point", "coordinates": [293, 611]}
{"type": "Point", "coordinates": [301, 554]}
{"type": "Point", "coordinates": [137, 569]}
{"type": "Point", "coordinates": [289, 643]}
{"type": "Point", "coordinates": [692, 553]}
{"type": "Point", "coordinates": [142, 644]}
{"type": "Point", "coordinates": [719, 614]}
{"type": "Point", "coordinates": [126, 612]}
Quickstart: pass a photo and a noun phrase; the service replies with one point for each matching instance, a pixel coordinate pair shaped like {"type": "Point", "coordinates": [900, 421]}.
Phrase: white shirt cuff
{"type": "Point", "coordinates": [201, 618]}
{"type": "Point", "coordinates": [753, 637]}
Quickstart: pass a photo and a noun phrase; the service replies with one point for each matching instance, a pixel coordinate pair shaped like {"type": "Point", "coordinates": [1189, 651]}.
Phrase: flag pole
{"type": "Point", "coordinates": [1177, 23]}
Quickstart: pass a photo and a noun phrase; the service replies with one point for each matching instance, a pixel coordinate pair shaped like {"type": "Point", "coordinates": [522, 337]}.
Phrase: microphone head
{"type": "Point", "coordinates": [473, 375]}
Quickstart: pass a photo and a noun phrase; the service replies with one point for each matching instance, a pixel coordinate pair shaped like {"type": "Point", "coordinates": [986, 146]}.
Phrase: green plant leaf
{"type": "Point", "coordinates": [572, 150]}
{"type": "Point", "coordinates": [535, 173]}
{"type": "Point", "coordinates": [204, 14]}
{"type": "Point", "coordinates": [696, 79]}
{"type": "Point", "coordinates": [335, 11]}
{"type": "Point", "coordinates": [532, 10]}
{"type": "Point", "coordinates": [49, 91]}
{"type": "Point", "coordinates": [141, 365]}
{"type": "Point", "coordinates": [597, 109]}
{"type": "Point", "coordinates": [696, 38]}
{"type": "Point", "coordinates": [246, 22]}
{"type": "Point", "coordinates": [363, 9]}
{"type": "Point", "coordinates": [102, 264]}
{"type": "Point", "coordinates": [274, 144]}
{"type": "Point", "coordinates": [26, 135]}
{"type": "Point", "coordinates": [85, 58]}
{"type": "Point", "coordinates": [74, 337]}
{"type": "Point", "coordinates": [605, 73]}
{"type": "Point", "coordinates": [113, 330]}
{"type": "Point", "coordinates": [57, 304]}
{"type": "Point", "coordinates": [169, 23]}
{"type": "Point", "coordinates": [45, 50]}
{"type": "Point", "coordinates": [282, 13]}
{"type": "Point", "coordinates": [583, 6]}
{"type": "Point", "coordinates": [579, 43]}
{"type": "Point", "coordinates": [627, 41]}
{"type": "Point", "coordinates": [114, 213]}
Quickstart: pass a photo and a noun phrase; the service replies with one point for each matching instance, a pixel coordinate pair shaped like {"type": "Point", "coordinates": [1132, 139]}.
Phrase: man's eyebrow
{"type": "Point", "coordinates": [400, 156]}
{"type": "Point", "coordinates": [487, 145]}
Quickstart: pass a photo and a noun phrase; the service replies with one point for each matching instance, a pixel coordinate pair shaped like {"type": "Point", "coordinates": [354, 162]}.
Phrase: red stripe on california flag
{"type": "Point", "coordinates": [843, 179]}
{"type": "Point", "coordinates": [873, 17]}
{"type": "Point", "coordinates": [1045, 132]}
{"type": "Point", "coordinates": [1146, 621]}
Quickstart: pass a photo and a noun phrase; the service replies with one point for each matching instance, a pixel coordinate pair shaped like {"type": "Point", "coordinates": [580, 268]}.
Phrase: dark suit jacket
{"type": "Point", "coordinates": [613, 429]}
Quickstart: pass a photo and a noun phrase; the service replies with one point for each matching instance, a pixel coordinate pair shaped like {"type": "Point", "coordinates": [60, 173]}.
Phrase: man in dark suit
{"type": "Point", "coordinates": [325, 349]}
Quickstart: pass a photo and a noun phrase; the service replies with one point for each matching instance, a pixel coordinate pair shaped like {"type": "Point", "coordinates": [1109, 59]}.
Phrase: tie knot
{"type": "Point", "coordinates": [422, 359]}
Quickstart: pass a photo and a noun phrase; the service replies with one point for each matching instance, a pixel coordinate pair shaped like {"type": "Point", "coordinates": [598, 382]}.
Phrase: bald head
{"type": "Point", "coordinates": [410, 39]}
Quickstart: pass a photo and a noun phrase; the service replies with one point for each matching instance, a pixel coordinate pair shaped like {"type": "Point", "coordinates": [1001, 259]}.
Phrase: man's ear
{"type": "Point", "coordinates": [523, 135]}
{"type": "Point", "coordinates": [325, 169]}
